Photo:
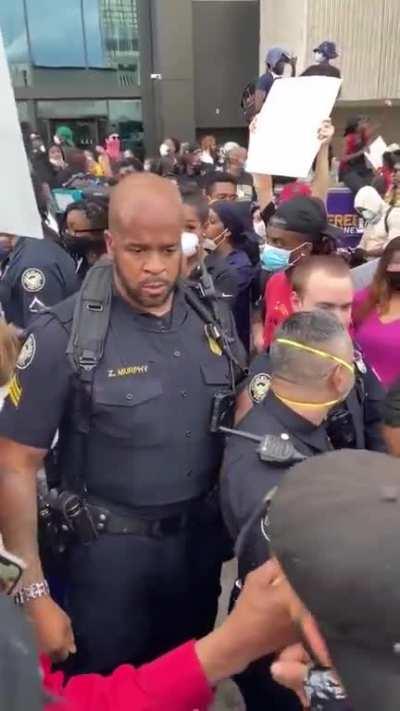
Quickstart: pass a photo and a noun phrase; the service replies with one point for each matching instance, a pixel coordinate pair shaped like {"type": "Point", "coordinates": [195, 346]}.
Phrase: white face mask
{"type": "Point", "coordinates": [369, 216]}
{"type": "Point", "coordinates": [319, 57]}
{"type": "Point", "coordinates": [190, 244]}
{"type": "Point", "coordinates": [260, 229]}
{"type": "Point", "coordinates": [164, 150]}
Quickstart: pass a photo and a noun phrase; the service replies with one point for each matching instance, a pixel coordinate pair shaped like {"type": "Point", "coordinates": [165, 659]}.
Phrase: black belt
{"type": "Point", "coordinates": [106, 521]}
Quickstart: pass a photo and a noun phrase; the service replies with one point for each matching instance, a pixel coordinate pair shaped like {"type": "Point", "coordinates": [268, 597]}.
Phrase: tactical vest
{"type": "Point", "coordinates": [128, 460]}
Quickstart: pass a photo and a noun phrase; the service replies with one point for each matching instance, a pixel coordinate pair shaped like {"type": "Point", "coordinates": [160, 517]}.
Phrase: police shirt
{"type": "Point", "coordinates": [149, 442]}
{"type": "Point", "coordinates": [364, 403]}
{"type": "Point", "coordinates": [245, 478]}
{"type": "Point", "coordinates": [39, 274]}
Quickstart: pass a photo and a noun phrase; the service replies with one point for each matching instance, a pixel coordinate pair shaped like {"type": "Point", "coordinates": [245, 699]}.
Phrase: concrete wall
{"type": "Point", "coordinates": [225, 59]}
{"type": "Point", "coordinates": [284, 23]}
{"type": "Point", "coordinates": [366, 33]}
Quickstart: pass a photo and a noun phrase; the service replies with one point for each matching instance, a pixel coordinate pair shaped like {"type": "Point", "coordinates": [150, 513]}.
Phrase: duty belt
{"type": "Point", "coordinates": [106, 521]}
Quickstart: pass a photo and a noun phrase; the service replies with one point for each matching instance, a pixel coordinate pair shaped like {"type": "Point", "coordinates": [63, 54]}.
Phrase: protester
{"type": "Point", "coordinates": [298, 229]}
{"type": "Point", "coordinates": [392, 196]}
{"type": "Point", "coordinates": [127, 166]}
{"type": "Point", "coordinates": [196, 214]}
{"type": "Point", "coordinates": [323, 54]}
{"type": "Point", "coordinates": [208, 146]}
{"type": "Point", "coordinates": [382, 222]}
{"type": "Point", "coordinates": [275, 62]}
{"type": "Point", "coordinates": [82, 230]}
{"type": "Point", "coordinates": [236, 165]}
{"type": "Point", "coordinates": [354, 170]}
{"type": "Point", "coordinates": [64, 136]}
{"type": "Point", "coordinates": [316, 527]}
{"type": "Point", "coordinates": [226, 230]}
{"type": "Point", "coordinates": [220, 186]}
{"type": "Point", "coordinates": [376, 316]}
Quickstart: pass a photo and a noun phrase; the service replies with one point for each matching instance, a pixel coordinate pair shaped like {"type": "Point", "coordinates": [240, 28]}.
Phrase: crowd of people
{"type": "Point", "coordinates": [184, 285]}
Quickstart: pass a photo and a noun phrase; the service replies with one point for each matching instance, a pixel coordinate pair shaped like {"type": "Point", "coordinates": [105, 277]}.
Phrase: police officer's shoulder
{"type": "Point", "coordinates": [45, 251]}
{"type": "Point", "coordinates": [259, 379]}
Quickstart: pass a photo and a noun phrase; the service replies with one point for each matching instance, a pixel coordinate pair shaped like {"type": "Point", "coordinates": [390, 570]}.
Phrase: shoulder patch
{"type": "Point", "coordinates": [33, 280]}
{"type": "Point", "coordinates": [27, 353]}
{"type": "Point", "coordinates": [259, 387]}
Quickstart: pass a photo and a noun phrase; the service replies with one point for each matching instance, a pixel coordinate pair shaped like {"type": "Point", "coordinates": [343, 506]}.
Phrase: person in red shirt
{"type": "Point", "coordinates": [182, 680]}
{"type": "Point", "coordinates": [298, 228]}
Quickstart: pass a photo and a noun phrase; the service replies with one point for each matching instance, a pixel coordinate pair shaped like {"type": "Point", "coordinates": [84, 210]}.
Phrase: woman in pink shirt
{"type": "Point", "coordinates": [376, 315]}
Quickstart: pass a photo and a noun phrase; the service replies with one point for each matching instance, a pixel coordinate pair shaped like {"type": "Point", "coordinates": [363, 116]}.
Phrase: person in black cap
{"type": "Point", "coordinates": [316, 528]}
{"type": "Point", "coordinates": [275, 62]}
{"type": "Point", "coordinates": [298, 228]}
{"type": "Point", "coordinates": [322, 58]}
{"type": "Point", "coordinates": [311, 371]}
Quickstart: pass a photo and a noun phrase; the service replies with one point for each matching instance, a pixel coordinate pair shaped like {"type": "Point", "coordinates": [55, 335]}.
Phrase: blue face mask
{"type": "Point", "coordinates": [274, 259]}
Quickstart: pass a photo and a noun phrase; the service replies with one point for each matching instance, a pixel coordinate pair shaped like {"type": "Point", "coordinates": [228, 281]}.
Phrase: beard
{"type": "Point", "coordinates": [139, 295]}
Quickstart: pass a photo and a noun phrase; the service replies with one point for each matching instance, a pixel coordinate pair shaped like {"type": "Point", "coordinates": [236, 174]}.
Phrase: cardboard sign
{"type": "Point", "coordinates": [285, 141]}
{"type": "Point", "coordinates": [18, 210]}
{"type": "Point", "coordinates": [375, 152]}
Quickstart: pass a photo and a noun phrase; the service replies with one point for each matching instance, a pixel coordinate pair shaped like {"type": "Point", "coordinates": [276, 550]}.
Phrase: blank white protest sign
{"type": "Point", "coordinates": [18, 210]}
{"type": "Point", "coordinates": [285, 139]}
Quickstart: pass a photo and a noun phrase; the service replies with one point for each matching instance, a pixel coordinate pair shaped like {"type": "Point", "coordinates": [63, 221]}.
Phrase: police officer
{"type": "Point", "coordinates": [322, 282]}
{"type": "Point", "coordinates": [132, 400]}
{"type": "Point", "coordinates": [311, 369]}
{"type": "Point", "coordinates": [37, 273]}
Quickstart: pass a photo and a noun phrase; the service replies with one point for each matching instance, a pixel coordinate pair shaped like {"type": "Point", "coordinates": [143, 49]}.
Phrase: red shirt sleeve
{"type": "Point", "coordinates": [174, 681]}
{"type": "Point", "coordinates": [278, 306]}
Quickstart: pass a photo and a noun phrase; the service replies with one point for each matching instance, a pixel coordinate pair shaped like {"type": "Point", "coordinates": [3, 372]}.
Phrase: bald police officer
{"type": "Point", "coordinates": [324, 282]}
{"type": "Point", "coordinates": [311, 370]}
{"type": "Point", "coordinates": [132, 399]}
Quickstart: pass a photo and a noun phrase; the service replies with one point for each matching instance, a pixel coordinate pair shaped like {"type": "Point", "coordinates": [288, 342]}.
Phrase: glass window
{"type": "Point", "coordinates": [72, 109]}
{"type": "Point", "coordinates": [119, 29]}
{"type": "Point", "coordinates": [96, 54]}
{"type": "Point", "coordinates": [56, 33]}
{"type": "Point", "coordinates": [12, 23]}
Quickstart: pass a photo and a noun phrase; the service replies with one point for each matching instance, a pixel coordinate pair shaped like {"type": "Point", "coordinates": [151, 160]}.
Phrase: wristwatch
{"type": "Point", "coordinates": [32, 592]}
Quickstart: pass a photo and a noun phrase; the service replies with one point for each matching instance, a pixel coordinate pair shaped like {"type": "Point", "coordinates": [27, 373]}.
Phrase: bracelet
{"type": "Point", "coordinates": [32, 592]}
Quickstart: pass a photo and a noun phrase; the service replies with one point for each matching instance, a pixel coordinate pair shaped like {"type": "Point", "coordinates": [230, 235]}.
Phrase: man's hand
{"type": "Point", "coordinates": [259, 624]}
{"type": "Point", "coordinates": [53, 628]}
{"type": "Point", "coordinates": [291, 670]}
{"type": "Point", "coordinates": [326, 132]}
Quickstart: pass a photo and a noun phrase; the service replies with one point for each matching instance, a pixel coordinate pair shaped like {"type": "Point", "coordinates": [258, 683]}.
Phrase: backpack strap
{"type": "Point", "coordinates": [387, 219]}
{"type": "Point", "coordinates": [90, 321]}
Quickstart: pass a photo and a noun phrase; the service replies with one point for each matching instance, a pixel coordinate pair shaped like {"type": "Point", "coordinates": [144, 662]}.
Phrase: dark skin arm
{"type": "Point", "coordinates": [19, 465]}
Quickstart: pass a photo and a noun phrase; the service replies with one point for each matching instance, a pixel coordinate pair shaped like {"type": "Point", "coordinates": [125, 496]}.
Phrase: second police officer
{"type": "Point", "coordinates": [132, 393]}
{"type": "Point", "coordinates": [322, 282]}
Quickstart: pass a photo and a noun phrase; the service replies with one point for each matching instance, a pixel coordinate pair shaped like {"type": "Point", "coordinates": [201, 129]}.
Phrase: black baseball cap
{"type": "Point", "coordinates": [335, 528]}
{"type": "Point", "coordinates": [306, 215]}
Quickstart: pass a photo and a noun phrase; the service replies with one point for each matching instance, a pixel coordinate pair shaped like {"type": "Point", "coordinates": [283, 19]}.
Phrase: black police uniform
{"type": "Point", "coordinates": [354, 424]}
{"type": "Point", "coordinates": [39, 274]}
{"type": "Point", "coordinates": [245, 481]}
{"type": "Point", "coordinates": [150, 460]}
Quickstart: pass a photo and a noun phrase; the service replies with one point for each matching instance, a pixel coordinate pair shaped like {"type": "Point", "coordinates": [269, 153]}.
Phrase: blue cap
{"type": "Point", "coordinates": [274, 55]}
{"type": "Point", "coordinates": [328, 49]}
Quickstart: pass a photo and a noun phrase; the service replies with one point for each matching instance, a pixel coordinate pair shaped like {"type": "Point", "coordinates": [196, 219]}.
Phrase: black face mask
{"type": "Point", "coordinates": [78, 247]}
{"type": "Point", "coordinates": [394, 280]}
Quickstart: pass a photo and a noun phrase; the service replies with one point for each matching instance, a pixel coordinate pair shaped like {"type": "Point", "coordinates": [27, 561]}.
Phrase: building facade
{"type": "Point", "coordinates": [365, 32]}
{"type": "Point", "coordinates": [144, 68]}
